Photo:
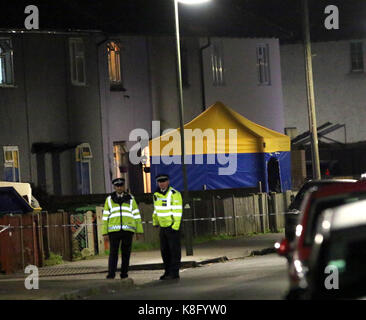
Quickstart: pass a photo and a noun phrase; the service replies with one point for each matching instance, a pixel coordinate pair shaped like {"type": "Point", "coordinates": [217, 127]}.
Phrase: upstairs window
{"type": "Point", "coordinates": [357, 57]}
{"type": "Point", "coordinates": [264, 75]}
{"type": "Point", "coordinates": [217, 64]}
{"type": "Point", "coordinates": [77, 61]}
{"type": "Point", "coordinates": [6, 62]}
{"type": "Point", "coordinates": [114, 65]}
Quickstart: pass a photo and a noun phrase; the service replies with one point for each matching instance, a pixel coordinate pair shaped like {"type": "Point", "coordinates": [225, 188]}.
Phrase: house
{"type": "Point", "coordinates": [339, 82]}
{"type": "Point", "coordinates": [69, 100]}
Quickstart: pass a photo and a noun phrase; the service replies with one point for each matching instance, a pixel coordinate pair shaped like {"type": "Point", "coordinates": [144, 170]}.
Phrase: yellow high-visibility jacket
{"type": "Point", "coordinates": [121, 214]}
{"type": "Point", "coordinates": [168, 208]}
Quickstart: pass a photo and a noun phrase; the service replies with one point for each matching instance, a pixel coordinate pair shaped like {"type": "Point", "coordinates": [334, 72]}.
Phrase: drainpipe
{"type": "Point", "coordinates": [202, 73]}
{"type": "Point", "coordinates": [98, 44]}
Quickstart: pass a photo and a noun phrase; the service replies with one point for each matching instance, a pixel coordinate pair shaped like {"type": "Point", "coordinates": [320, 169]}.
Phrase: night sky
{"type": "Point", "coordinates": [235, 18]}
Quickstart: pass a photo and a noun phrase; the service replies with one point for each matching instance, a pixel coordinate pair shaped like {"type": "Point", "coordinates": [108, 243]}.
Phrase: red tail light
{"type": "Point", "coordinates": [282, 247]}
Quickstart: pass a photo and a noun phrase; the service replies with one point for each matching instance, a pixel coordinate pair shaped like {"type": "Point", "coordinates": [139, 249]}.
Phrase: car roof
{"type": "Point", "coordinates": [339, 188]}
{"type": "Point", "coordinates": [345, 216]}
{"type": "Point", "coordinates": [327, 181]}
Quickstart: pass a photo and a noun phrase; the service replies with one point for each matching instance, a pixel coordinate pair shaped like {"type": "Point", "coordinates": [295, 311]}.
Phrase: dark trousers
{"type": "Point", "coordinates": [119, 239]}
{"type": "Point", "coordinates": [170, 250]}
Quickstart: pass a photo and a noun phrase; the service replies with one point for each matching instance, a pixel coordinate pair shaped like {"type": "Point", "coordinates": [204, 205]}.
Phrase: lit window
{"type": "Point", "coordinates": [217, 64]}
{"type": "Point", "coordinates": [114, 65]}
{"type": "Point", "coordinates": [6, 62]}
{"type": "Point", "coordinates": [11, 164]}
{"type": "Point", "coordinates": [77, 62]}
{"type": "Point", "coordinates": [264, 75]}
{"type": "Point", "coordinates": [356, 56]}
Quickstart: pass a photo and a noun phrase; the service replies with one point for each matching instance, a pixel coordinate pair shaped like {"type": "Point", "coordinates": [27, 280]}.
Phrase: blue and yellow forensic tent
{"type": "Point", "coordinates": [223, 150]}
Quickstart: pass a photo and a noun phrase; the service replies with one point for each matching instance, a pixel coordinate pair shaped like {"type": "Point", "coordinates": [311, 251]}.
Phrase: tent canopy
{"type": "Point", "coordinates": [215, 125]}
{"type": "Point", "coordinates": [224, 150]}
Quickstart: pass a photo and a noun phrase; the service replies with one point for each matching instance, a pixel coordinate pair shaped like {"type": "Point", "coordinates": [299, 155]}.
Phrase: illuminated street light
{"type": "Point", "coordinates": [193, 1]}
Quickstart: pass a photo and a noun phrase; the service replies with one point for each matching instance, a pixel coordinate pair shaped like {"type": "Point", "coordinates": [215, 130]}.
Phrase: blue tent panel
{"type": "Point", "coordinates": [249, 170]}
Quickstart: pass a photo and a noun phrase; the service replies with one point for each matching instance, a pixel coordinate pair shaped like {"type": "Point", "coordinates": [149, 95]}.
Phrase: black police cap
{"type": "Point", "coordinates": [162, 177]}
{"type": "Point", "coordinates": [118, 182]}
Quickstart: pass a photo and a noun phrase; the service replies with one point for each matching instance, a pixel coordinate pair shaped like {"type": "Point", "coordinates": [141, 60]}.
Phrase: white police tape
{"type": "Point", "coordinates": [4, 228]}
{"type": "Point", "coordinates": [250, 216]}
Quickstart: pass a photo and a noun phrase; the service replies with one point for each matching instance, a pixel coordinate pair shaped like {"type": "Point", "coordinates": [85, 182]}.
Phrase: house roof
{"type": "Point", "coordinates": [250, 137]}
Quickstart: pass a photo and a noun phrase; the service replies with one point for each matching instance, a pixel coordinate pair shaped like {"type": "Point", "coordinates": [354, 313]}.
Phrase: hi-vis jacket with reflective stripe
{"type": "Point", "coordinates": [168, 209]}
{"type": "Point", "coordinates": [124, 216]}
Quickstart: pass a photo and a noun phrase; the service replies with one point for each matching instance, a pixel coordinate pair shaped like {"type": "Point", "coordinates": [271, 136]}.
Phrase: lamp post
{"type": "Point", "coordinates": [186, 207]}
{"type": "Point", "coordinates": [310, 93]}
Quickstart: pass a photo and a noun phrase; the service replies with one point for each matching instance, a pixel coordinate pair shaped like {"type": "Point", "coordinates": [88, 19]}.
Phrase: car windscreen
{"type": "Point", "coordinates": [344, 256]}
{"type": "Point", "coordinates": [319, 205]}
{"type": "Point", "coordinates": [296, 203]}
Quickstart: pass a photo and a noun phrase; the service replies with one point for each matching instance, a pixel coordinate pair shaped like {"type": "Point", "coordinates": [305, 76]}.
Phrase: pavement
{"type": "Point", "coordinates": [85, 278]}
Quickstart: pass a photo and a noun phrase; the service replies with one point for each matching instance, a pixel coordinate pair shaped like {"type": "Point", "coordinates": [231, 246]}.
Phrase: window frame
{"type": "Point", "coordinates": [218, 64]}
{"type": "Point", "coordinates": [9, 62]}
{"type": "Point", "coordinates": [73, 64]}
{"type": "Point", "coordinates": [359, 58]}
{"type": "Point", "coordinates": [119, 84]}
{"type": "Point", "coordinates": [263, 64]}
{"type": "Point", "coordinates": [13, 162]}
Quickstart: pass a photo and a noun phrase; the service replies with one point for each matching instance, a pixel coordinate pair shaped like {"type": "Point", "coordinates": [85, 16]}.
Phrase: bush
{"type": "Point", "coordinates": [54, 259]}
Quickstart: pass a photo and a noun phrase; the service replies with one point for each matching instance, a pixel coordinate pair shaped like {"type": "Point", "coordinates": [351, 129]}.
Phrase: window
{"type": "Point", "coordinates": [84, 157]}
{"type": "Point", "coordinates": [356, 57]}
{"type": "Point", "coordinates": [264, 76]}
{"type": "Point", "coordinates": [11, 164]}
{"type": "Point", "coordinates": [217, 64]}
{"type": "Point", "coordinates": [77, 61]}
{"type": "Point", "coordinates": [114, 65]}
{"type": "Point", "coordinates": [6, 62]}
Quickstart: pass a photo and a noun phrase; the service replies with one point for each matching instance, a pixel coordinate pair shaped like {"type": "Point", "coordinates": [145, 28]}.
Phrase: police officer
{"type": "Point", "coordinates": [168, 214]}
{"type": "Point", "coordinates": [121, 219]}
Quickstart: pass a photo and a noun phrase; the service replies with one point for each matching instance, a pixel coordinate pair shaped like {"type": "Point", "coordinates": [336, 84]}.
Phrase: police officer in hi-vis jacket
{"type": "Point", "coordinates": [121, 219]}
{"type": "Point", "coordinates": [168, 214]}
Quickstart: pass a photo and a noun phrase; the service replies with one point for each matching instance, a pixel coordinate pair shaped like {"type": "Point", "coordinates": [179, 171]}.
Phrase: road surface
{"type": "Point", "coordinates": [253, 278]}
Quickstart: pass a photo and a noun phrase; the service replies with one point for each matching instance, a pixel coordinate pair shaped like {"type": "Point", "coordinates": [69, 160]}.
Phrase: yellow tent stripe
{"type": "Point", "coordinates": [220, 129]}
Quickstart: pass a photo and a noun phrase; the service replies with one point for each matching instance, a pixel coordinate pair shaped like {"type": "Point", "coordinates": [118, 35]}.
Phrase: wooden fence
{"type": "Point", "coordinates": [34, 236]}
{"type": "Point", "coordinates": [21, 244]}
{"type": "Point", "coordinates": [232, 215]}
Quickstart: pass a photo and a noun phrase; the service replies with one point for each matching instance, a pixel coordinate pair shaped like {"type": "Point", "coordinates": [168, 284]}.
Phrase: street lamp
{"type": "Point", "coordinates": [186, 208]}
{"type": "Point", "coordinates": [310, 92]}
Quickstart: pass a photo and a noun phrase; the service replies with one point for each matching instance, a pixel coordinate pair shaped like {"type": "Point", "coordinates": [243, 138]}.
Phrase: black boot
{"type": "Point", "coordinates": [163, 276]}
{"type": "Point", "coordinates": [171, 277]}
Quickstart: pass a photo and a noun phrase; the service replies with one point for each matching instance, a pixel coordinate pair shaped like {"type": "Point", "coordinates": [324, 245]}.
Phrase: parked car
{"type": "Point", "coordinates": [314, 203]}
{"type": "Point", "coordinates": [292, 214]}
{"type": "Point", "coordinates": [337, 263]}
